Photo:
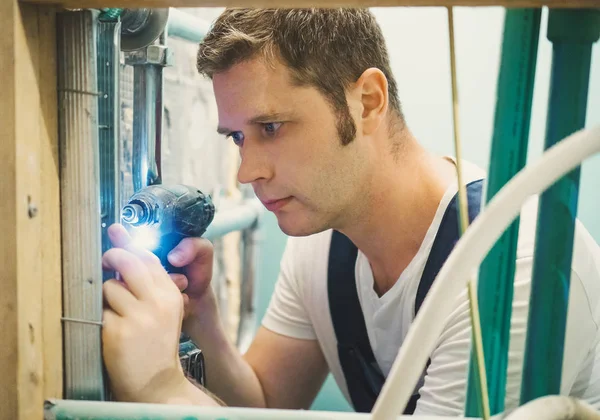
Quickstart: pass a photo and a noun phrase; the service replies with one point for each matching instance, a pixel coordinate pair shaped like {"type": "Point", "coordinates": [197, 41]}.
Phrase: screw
{"type": "Point", "coordinates": [32, 209]}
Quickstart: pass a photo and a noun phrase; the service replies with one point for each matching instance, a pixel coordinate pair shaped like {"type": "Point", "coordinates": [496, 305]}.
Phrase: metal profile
{"type": "Point", "coordinates": [81, 243]}
{"type": "Point", "coordinates": [109, 126]}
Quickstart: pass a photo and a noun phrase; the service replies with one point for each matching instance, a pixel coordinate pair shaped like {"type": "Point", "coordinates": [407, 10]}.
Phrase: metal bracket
{"type": "Point", "coordinates": [159, 55]}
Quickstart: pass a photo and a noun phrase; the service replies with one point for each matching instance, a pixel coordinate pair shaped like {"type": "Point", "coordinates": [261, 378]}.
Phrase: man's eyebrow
{"type": "Point", "coordinates": [262, 118]}
{"type": "Point", "coordinates": [269, 117]}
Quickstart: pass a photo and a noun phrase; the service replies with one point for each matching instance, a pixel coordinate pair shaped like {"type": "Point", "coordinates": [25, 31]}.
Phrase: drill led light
{"type": "Point", "coordinates": [145, 237]}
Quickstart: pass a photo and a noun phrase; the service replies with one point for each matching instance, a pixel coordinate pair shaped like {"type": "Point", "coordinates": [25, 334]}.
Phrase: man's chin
{"type": "Point", "coordinates": [293, 228]}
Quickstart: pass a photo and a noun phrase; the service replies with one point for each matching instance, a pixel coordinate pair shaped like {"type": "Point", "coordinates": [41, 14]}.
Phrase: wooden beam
{"type": "Point", "coordinates": [319, 3]}
{"type": "Point", "coordinates": [50, 208]}
{"type": "Point", "coordinates": [30, 355]}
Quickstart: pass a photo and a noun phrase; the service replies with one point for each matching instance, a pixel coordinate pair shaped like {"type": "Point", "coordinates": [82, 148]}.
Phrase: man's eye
{"type": "Point", "coordinates": [271, 128]}
{"type": "Point", "coordinates": [237, 137]}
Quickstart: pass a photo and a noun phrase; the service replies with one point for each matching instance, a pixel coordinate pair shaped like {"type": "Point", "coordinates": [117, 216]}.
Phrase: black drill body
{"type": "Point", "coordinates": [174, 212]}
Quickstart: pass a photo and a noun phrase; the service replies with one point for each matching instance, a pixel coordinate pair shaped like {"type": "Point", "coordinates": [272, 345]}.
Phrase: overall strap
{"type": "Point", "coordinates": [363, 375]}
{"type": "Point", "coordinates": [446, 238]}
{"type": "Point", "coordinates": [361, 371]}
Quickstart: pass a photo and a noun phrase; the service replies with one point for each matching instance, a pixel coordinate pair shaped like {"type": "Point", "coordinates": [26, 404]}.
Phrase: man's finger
{"type": "Point", "coordinates": [143, 254]}
{"type": "Point", "coordinates": [191, 250]}
{"type": "Point", "coordinates": [118, 297]}
{"type": "Point", "coordinates": [186, 305]}
{"type": "Point", "coordinates": [109, 316]}
{"type": "Point", "coordinates": [110, 323]}
{"type": "Point", "coordinates": [118, 235]}
{"type": "Point", "coordinates": [196, 254]}
{"type": "Point", "coordinates": [133, 271]}
{"type": "Point", "coordinates": [180, 281]}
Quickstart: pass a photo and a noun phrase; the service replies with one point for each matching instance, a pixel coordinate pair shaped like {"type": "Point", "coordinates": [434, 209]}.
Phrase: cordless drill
{"type": "Point", "coordinates": [158, 217]}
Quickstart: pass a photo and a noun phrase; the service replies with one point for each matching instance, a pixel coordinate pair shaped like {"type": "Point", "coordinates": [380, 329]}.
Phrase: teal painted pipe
{"type": "Point", "coordinates": [508, 156]}
{"type": "Point", "coordinates": [572, 33]}
{"type": "Point", "coordinates": [110, 14]}
{"type": "Point", "coordinates": [187, 26]}
{"type": "Point", "coordinates": [239, 217]}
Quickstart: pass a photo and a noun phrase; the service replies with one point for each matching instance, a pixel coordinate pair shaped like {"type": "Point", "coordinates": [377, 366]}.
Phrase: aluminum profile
{"type": "Point", "coordinates": [80, 204]}
{"type": "Point", "coordinates": [108, 44]}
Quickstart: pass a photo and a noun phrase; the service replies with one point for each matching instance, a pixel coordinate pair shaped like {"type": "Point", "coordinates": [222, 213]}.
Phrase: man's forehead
{"type": "Point", "coordinates": [253, 91]}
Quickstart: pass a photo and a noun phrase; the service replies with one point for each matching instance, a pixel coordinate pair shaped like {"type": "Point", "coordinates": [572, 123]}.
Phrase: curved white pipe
{"type": "Point", "coordinates": [554, 408]}
{"type": "Point", "coordinates": [467, 256]}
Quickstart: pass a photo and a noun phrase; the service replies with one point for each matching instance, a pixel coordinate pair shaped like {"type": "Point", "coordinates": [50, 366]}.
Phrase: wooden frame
{"type": "Point", "coordinates": [30, 258]}
{"type": "Point", "coordinates": [321, 3]}
{"type": "Point", "coordinates": [31, 365]}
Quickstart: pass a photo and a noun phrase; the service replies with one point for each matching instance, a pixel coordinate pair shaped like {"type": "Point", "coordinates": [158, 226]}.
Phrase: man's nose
{"type": "Point", "coordinates": [255, 163]}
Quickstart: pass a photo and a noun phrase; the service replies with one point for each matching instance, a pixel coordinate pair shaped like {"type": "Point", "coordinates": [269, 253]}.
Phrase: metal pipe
{"type": "Point", "coordinates": [508, 157]}
{"type": "Point", "coordinates": [91, 410]}
{"type": "Point", "coordinates": [186, 26]}
{"type": "Point", "coordinates": [554, 408]}
{"type": "Point", "coordinates": [243, 216]}
{"type": "Point", "coordinates": [251, 239]}
{"type": "Point", "coordinates": [549, 408]}
{"type": "Point", "coordinates": [572, 33]}
{"type": "Point", "coordinates": [147, 124]}
{"type": "Point", "coordinates": [141, 27]}
{"type": "Point", "coordinates": [80, 202]}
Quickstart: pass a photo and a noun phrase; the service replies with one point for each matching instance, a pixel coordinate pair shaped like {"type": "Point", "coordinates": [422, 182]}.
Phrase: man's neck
{"type": "Point", "coordinates": [403, 201]}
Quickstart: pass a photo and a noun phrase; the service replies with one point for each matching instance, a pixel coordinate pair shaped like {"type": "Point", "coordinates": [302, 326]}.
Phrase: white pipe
{"type": "Point", "coordinates": [466, 257]}
{"type": "Point", "coordinates": [554, 408]}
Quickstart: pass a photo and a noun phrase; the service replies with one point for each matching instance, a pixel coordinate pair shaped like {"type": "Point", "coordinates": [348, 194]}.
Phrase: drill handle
{"type": "Point", "coordinates": [169, 242]}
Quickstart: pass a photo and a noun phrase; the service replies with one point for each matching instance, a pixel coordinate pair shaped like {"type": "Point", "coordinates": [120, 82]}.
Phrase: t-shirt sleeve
{"type": "Point", "coordinates": [287, 314]}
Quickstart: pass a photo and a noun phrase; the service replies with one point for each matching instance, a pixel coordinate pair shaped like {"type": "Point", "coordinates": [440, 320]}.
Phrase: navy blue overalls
{"type": "Point", "coordinates": [361, 371]}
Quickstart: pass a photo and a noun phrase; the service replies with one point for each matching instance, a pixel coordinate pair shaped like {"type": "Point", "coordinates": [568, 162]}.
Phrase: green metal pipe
{"type": "Point", "coordinates": [572, 33]}
{"type": "Point", "coordinates": [508, 156]}
{"type": "Point", "coordinates": [110, 14]}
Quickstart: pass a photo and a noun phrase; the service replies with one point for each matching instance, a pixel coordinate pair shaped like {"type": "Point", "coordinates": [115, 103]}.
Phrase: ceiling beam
{"type": "Point", "coordinates": [320, 3]}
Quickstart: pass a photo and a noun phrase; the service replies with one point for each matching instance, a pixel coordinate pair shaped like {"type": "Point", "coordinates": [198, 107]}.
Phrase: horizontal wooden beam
{"type": "Point", "coordinates": [321, 3]}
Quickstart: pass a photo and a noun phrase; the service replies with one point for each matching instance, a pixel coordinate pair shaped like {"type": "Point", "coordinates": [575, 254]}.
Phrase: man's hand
{"type": "Point", "coordinates": [196, 255]}
{"type": "Point", "coordinates": [142, 324]}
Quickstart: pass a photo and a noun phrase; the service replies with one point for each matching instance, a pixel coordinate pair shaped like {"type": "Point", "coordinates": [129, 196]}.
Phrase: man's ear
{"type": "Point", "coordinates": [373, 88]}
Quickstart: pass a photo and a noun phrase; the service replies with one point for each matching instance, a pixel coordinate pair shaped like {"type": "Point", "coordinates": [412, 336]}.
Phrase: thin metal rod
{"type": "Point", "coordinates": [507, 157]}
{"type": "Point", "coordinates": [185, 26]}
{"type": "Point", "coordinates": [464, 223]}
{"type": "Point", "coordinates": [80, 202]}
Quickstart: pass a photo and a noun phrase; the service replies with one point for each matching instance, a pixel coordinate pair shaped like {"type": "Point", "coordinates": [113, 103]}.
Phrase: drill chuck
{"type": "Point", "coordinates": [134, 214]}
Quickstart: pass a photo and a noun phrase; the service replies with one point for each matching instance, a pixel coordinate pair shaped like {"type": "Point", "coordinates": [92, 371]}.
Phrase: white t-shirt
{"type": "Point", "coordinates": [299, 308]}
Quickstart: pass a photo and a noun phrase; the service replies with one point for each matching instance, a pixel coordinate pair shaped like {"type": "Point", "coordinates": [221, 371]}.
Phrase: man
{"type": "Point", "coordinates": [309, 98]}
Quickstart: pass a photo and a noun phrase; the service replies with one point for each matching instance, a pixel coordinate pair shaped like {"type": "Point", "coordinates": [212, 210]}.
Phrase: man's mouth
{"type": "Point", "coordinates": [276, 204]}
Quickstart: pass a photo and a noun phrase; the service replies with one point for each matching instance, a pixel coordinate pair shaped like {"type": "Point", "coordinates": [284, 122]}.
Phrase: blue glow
{"type": "Point", "coordinates": [145, 237]}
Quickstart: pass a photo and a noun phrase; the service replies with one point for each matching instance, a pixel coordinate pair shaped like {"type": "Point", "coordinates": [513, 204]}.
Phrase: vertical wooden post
{"type": "Point", "coordinates": [30, 266]}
